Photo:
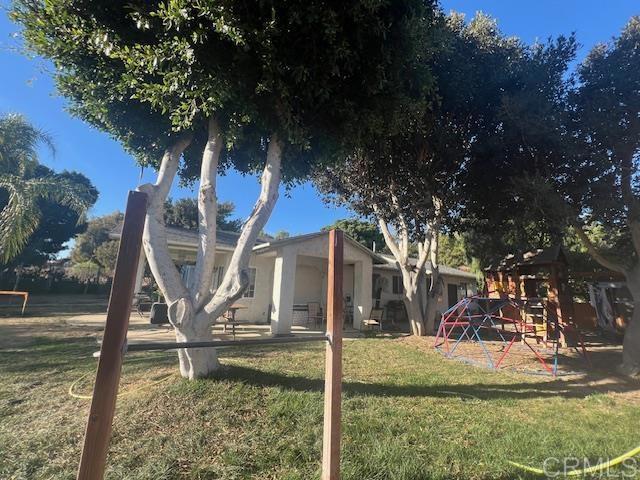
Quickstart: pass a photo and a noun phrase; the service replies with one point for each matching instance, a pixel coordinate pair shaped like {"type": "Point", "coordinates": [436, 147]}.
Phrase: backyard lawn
{"type": "Point", "coordinates": [408, 413]}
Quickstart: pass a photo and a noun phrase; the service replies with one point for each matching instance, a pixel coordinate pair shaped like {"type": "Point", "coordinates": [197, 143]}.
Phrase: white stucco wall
{"type": "Point", "coordinates": [305, 280]}
{"type": "Point", "coordinates": [258, 306]}
{"type": "Point", "coordinates": [387, 291]}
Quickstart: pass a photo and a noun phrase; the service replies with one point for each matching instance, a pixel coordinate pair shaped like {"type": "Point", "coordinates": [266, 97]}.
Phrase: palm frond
{"type": "Point", "coordinates": [21, 215]}
{"type": "Point", "coordinates": [18, 219]}
{"type": "Point", "coordinates": [19, 142]}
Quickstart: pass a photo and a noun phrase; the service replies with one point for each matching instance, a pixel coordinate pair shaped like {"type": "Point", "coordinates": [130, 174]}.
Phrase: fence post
{"type": "Point", "coordinates": [333, 360]}
{"type": "Point", "coordinates": [105, 390]}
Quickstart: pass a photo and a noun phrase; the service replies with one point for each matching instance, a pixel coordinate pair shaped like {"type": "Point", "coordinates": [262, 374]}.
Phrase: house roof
{"type": "Point", "coordinates": [271, 244]}
{"type": "Point", "coordinates": [540, 256]}
{"type": "Point", "coordinates": [391, 264]}
{"type": "Point", "coordinates": [189, 238]}
{"type": "Point", "coordinates": [186, 237]}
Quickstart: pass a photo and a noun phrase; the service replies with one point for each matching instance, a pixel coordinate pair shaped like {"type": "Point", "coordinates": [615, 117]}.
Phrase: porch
{"type": "Point", "coordinates": [299, 284]}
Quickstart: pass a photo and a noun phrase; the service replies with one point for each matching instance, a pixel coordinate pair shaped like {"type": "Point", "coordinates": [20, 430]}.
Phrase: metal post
{"type": "Point", "coordinates": [105, 391]}
{"type": "Point", "coordinates": [333, 368]}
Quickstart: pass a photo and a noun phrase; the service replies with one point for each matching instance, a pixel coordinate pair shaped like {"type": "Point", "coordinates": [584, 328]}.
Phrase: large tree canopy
{"type": "Point", "coordinates": [408, 178]}
{"type": "Point", "coordinates": [145, 71]}
{"type": "Point", "coordinates": [265, 86]}
{"type": "Point", "coordinates": [566, 155]}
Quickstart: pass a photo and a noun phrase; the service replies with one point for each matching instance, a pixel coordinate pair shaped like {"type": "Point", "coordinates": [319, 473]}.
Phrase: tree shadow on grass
{"type": "Point", "coordinates": [574, 388]}
{"type": "Point", "coordinates": [46, 353]}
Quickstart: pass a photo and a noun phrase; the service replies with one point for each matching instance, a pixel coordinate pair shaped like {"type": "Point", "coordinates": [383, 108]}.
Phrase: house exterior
{"type": "Point", "coordinates": [288, 274]}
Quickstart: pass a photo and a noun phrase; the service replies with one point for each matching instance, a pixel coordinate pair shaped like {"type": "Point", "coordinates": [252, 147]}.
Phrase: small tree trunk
{"type": "Point", "coordinates": [18, 277]}
{"type": "Point", "coordinates": [430, 315]}
{"type": "Point", "coordinates": [412, 302]}
{"type": "Point", "coordinates": [414, 312]}
{"type": "Point", "coordinates": [193, 327]}
{"type": "Point", "coordinates": [631, 344]}
{"type": "Point", "coordinates": [196, 362]}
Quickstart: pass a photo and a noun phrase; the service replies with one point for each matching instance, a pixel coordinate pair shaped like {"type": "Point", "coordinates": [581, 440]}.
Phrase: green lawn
{"type": "Point", "coordinates": [407, 414]}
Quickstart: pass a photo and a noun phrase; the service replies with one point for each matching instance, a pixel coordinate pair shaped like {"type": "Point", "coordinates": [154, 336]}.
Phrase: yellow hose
{"type": "Point", "coordinates": [123, 394]}
{"type": "Point", "coordinates": [584, 471]}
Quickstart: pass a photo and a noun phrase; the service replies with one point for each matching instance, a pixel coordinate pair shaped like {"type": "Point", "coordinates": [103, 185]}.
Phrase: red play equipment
{"type": "Point", "coordinates": [495, 325]}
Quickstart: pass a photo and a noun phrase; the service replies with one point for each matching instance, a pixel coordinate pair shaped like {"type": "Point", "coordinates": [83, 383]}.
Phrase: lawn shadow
{"type": "Point", "coordinates": [45, 353]}
{"type": "Point", "coordinates": [580, 387]}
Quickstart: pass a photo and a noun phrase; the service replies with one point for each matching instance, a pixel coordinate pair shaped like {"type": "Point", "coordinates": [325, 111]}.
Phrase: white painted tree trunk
{"type": "Point", "coordinates": [421, 317]}
{"type": "Point", "coordinates": [193, 312]}
{"type": "Point", "coordinates": [631, 344]}
{"type": "Point", "coordinates": [413, 302]}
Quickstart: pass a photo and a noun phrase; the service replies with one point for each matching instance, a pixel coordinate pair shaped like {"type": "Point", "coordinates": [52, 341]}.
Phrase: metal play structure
{"type": "Point", "coordinates": [497, 327]}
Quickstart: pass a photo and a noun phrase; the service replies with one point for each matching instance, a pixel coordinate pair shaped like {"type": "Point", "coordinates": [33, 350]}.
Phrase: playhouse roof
{"type": "Point", "coordinates": [540, 256]}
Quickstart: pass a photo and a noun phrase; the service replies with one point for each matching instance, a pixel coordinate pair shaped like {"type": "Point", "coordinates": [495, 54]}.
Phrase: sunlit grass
{"type": "Point", "coordinates": [408, 414]}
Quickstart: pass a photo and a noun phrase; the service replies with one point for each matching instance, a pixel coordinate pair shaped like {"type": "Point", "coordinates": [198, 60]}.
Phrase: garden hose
{"type": "Point", "coordinates": [123, 394]}
{"type": "Point", "coordinates": [584, 471]}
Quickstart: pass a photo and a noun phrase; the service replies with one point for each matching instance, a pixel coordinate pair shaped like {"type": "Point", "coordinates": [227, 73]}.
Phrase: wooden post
{"type": "Point", "coordinates": [333, 368]}
{"type": "Point", "coordinates": [105, 390]}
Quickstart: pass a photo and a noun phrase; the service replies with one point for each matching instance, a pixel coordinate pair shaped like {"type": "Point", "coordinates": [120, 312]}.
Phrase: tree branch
{"type": "Point", "coordinates": [154, 237]}
{"type": "Point", "coordinates": [236, 277]}
{"type": "Point", "coordinates": [424, 250]}
{"type": "Point", "coordinates": [593, 251]}
{"type": "Point", "coordinates": [207, 213]}
{"type": "Point", "coordinates": [404, 228]}
{"type": "Point", "coordinates": [388, 238]}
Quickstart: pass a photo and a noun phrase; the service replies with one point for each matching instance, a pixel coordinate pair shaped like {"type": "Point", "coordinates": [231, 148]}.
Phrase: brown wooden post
{"type": "Point", "coordinates": [105, 390]}
{"type": "Point", "coordinates": [333, 367]}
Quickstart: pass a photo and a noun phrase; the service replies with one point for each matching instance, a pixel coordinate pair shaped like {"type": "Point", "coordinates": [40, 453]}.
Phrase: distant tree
{"type": "Point", "coordinates": [58, 225]}
{"type": "Point", "coordinates": [106, 255]}
{"type": "Point", "coordinates": [366, 233]}
{"type": "Point", "coordinates": [96, 234]}
{"type": "Point", "coordinates": [281, 234]}
{"type": "Point", "coordinates": [86, 272]}
{"type": "Point", "coordinates": [262, 87]}
{"type": "Point", "coordinates": [30, 191]}
{"type": "Point", "coordinates": [453, 250]}
{"type": "Point", "coordinates": [183, 213]}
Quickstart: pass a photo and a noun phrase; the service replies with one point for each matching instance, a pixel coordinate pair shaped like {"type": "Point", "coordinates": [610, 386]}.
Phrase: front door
{"type": "Point", "coordinates": [452, 294]}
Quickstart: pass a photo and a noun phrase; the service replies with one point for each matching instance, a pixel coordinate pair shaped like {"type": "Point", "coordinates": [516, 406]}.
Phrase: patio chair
{"type": "Point", "coordinates": [158, 314]}
{"type": "Point", "coordinates": [374, 320]}
{"type": "Point", "coordinates": [314, 313]}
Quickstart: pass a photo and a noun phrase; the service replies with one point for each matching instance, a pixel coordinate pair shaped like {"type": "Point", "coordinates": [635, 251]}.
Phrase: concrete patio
{"type": "Point", "coordinates": [141, 331]}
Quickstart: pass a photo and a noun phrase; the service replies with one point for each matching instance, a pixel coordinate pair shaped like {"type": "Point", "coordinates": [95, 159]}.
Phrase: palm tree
{"type": "Point", "coordinates": [24, 188]}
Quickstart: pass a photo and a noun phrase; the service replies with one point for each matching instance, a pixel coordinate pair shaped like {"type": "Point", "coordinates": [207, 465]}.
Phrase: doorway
{"type": "Point", "coordinates": [452, 294]}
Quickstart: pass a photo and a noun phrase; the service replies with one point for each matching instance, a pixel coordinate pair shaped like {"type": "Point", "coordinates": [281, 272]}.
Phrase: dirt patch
{"type": "Point", "coordinates": [18, 333]}
{"type": "Point", "coordinates": [576, 376]}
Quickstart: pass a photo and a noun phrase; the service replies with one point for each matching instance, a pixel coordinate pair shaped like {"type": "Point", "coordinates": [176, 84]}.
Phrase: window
{"type": "Point", "coordinates": [218, 275]}
{"type": "Point", "coordinates": [397, 285]}
{"type": "Point", "coordinates": [375, 286]}
{"type": "Point", "coordinates": [251, 288]}
{"type": "Point", "coordinates": [187, 274]}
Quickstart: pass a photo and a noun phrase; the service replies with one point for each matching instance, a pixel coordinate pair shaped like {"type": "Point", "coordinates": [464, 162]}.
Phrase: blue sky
{"type": "Point", "coordinates": [25, 88]}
